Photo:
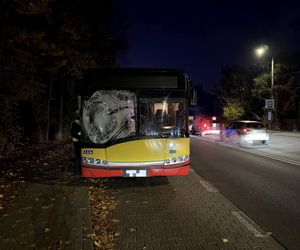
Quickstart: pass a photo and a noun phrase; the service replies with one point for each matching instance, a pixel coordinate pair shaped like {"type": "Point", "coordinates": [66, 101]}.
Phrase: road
{"type": "Point", "coordinates": [264, 182]}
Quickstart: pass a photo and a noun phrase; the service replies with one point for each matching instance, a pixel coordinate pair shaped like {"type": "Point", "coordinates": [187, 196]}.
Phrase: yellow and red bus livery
{"type": "Point", "coordinates": [135, 123]}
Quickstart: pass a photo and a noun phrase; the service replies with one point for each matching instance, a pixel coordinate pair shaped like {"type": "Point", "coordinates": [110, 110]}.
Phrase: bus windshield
{"type": "Point", "coordinates": [162, 114]}
{"type": "Point", "coordinates": [109, 115]}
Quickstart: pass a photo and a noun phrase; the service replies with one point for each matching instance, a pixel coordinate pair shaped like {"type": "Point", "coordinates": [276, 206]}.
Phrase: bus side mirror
{"type": "Point", "coordinates": [193, 97]}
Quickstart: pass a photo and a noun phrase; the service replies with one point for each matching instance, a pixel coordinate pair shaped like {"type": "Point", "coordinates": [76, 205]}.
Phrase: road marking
{"type": "Point", "coordinates": [209, 188]}
{"type": "Point", "coordinates": [249, 224]}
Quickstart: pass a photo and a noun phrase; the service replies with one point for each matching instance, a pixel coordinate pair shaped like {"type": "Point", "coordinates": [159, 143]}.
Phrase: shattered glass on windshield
{"type": "Point", "coordinates": [108, 115]}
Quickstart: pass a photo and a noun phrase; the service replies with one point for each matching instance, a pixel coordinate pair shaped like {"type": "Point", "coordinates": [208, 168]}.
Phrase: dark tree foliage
{"type": "Point", "coordinates": [207, 103]}
{"type": "Point", "coordinates": [45, 46]}
{"type": "Point", "coordinates": [234, 90]}
{"type": "Point", "coordinates": [248, 88]}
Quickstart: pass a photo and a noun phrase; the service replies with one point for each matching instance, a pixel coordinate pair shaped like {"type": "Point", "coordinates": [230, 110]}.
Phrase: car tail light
{"type": "Point", "coordinates": [246, 130]}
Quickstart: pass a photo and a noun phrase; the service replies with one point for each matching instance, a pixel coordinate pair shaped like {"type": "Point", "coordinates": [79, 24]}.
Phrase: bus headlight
{"type": "Point", "coordinates": [94, 162]}
{"type": "Point", "coordinates": [83, 159]}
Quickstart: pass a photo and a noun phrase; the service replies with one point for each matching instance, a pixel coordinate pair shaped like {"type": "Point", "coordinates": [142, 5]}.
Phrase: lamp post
{"type": "Point", "coordinates": [272, 75]}
{"type": "Point", "coordinates": [261, 51]}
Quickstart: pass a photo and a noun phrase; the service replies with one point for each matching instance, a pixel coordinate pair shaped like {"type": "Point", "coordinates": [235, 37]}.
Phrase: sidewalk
{"type": "Point", "coordinates": [42, 207]}
{"type": "Point", "coordinates": [182, 213]}
{"type": "Point", "coordinates": [286, 133]}
{"type": "Point", "coordinates": [48, 217]}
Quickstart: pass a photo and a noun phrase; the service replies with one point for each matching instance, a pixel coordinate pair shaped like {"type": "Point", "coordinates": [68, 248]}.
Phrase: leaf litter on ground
{"type": "Point", "coordinates": [42, 160]}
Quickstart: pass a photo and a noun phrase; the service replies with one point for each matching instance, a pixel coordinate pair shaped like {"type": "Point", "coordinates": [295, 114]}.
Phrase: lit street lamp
{"type": "Point", "coordinates": [261, 51]}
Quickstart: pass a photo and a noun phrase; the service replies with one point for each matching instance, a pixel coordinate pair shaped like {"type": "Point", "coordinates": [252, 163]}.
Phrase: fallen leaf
{"type": "Point", "coordinates": [97, 244]}
{"type": "Point", "coordinates": [224, 240]}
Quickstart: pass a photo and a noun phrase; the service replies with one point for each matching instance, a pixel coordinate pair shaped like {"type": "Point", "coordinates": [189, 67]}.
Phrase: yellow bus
{"type": "Point", "coordinates": [135, 122]}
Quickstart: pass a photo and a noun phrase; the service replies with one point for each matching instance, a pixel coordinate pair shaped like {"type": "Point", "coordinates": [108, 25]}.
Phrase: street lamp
{"type": "Point", "coordinates": [261, 51]}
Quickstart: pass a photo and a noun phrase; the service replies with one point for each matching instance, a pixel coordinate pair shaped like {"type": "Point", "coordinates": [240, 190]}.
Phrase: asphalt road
{"type": "Point", "coordinates": [264, 188]}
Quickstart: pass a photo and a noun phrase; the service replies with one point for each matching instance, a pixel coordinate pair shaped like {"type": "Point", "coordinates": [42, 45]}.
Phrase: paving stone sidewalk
{"type": "Point", "coordinates": [48, 216]}
{"type": "Point", "coordinates": [181, 213]}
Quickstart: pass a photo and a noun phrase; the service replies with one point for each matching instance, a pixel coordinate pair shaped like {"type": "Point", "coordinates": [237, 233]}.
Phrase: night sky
{"type": "Point", "coordinates": [201, 36]}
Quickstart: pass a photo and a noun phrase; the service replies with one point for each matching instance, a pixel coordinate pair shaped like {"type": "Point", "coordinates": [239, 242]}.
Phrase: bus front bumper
{"type": "Point", "coordinates": [134, 172]}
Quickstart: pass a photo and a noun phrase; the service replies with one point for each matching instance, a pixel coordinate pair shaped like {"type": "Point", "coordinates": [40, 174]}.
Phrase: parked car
{"type": "Point", "coordinates": [246, 132]}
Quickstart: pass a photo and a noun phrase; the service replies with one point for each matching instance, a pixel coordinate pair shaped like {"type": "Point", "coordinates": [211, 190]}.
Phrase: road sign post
{"type": "Point", "coordinates": [269, 105]}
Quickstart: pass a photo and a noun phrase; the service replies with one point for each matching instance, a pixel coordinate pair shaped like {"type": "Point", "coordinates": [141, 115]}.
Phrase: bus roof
{"type": "Point", "coordinates": [134, 78]}
{"type": "Point", "coordinates": [136, 71]}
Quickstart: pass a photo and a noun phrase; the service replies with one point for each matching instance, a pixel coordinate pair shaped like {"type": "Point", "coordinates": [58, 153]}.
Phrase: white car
{"type": "Point", "coordinates": [247, 132]}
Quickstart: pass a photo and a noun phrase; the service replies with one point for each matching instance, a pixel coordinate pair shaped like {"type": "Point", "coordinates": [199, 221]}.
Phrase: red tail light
{"type": "Point", "coordinates": [246, 130]}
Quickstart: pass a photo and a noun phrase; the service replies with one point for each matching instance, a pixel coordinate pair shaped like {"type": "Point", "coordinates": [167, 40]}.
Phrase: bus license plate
{"type": "Point", "coordinates": [135, 173]}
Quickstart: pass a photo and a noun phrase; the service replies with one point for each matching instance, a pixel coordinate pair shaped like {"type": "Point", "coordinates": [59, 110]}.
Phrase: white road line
{"type": "Point", "coordinates": [249, 224]}
{"type": "Point", "coordinates": [209, 188]}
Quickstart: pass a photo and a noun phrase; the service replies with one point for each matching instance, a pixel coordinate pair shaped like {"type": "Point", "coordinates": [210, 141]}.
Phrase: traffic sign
{"type": "Point", "coordinates": [269, 103]}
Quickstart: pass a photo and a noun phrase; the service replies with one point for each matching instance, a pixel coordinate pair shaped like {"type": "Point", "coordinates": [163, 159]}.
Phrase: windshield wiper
{"type": "Point", "coordinates": [122, 128]}
{"type": "Point", "coordinates": [153, 126]}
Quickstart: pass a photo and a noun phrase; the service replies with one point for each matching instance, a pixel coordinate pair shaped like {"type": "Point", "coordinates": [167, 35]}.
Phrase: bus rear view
{"type": "Point", "coordinates": [135, 123]}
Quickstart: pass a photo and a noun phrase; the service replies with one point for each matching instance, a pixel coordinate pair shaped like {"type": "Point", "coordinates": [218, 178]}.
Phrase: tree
{"type": "Point", "coordinates": [249, 88]}
{"type": "Point", "coordinates": [235, 89]}
{"type": "Point", "coordinates": [233, 111]}
{"type": "Point", "coordinates": [45, 46]}
{"type": "Point", "coordinates": [283, 90]}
